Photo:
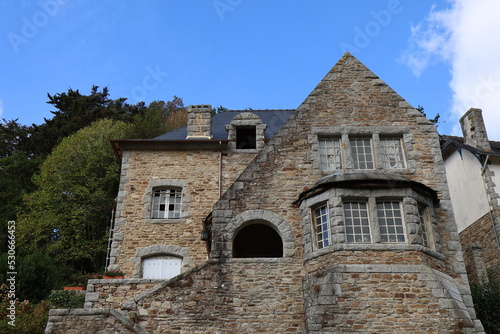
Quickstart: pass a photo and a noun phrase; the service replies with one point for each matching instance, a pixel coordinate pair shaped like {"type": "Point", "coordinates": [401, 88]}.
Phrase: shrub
{"type": "Point", "coordinates": [66, 299]}
{"type": "Point", "coordinates": [486, 298]}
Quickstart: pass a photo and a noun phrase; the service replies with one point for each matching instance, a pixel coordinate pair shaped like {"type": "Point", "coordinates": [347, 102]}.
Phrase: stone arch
{"type": "Point", "coordinates": [142, 253]}
{"type": "Point", "coordinates": [270, 219]}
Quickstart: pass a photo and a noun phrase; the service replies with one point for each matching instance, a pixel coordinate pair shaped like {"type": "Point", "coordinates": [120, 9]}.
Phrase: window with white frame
{"type": "Point", "coordinates": [422, 221]}
{"type": "Point", "coordinates": [166, 203]}
{"type": "Point", "coordinates": [390, 222]}
{"type": "Point", "coordinates": [361, 153]}
{"type": "Point", "coordinates": [392, 153]}
{"type": "Point", "coordinates": [322, 225]}
{"type": "Point", "coordinates": [162, 267]}
{"type": "Point", "coordinates": [330, 154]}
{"type": "Point", "coordinates": [356, 221]}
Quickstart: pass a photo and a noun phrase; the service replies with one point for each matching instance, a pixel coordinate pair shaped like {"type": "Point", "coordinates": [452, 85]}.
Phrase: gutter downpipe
{"type": "Point", "coordinates": [220, 169]}
{"type": "Point", "coordinates": [495, 232]}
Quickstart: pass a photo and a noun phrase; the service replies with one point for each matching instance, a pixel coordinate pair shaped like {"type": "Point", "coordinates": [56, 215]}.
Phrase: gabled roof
{"type": "Point", "coordinates": [459, 143]}
{"type": "Point", "coordinates": [274, 119]}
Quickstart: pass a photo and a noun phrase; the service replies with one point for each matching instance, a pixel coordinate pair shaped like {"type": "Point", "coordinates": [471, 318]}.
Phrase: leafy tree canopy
{"type": "Point", "coordinates": [68, 215]}
{"type": "Point", "coordinates": [75, 111]}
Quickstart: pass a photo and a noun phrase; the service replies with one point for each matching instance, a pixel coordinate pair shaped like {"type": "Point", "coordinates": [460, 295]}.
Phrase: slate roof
{"type": "Point", "coordinates": [274, 119]}
{"type": "Point", "coordinates": [459, 142]}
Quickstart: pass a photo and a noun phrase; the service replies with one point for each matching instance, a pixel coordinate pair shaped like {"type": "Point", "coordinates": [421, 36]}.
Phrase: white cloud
{"type": "Point", "coordinates": [466, 37]}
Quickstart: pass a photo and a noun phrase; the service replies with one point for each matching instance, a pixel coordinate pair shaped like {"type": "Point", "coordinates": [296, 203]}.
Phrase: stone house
{"type": "Point", "coordinates": [472, 165]}
{"type": "Point", "coordinates": [334, 217]}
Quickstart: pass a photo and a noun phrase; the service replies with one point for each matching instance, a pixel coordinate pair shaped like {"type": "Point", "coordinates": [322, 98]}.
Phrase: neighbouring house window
{"type": "Point", "coordinates": [390, 221]}
{"type": "Point", "coordinates": [422, 220]}
{"type": "Point", "coordinates": [356, 221]}
{"type": "Point", "coordinates": [362, 153]}
{"type": "Point", "coordinates": [330, 154]}
{"type": "Point", "coordinates": [392, 153]}
{"type": "Point", "coordinates": [166, 203]}
{"type": "Point", "coordinates": [246, 137]}
{"type": "Point", "coordinates": [322, 225]}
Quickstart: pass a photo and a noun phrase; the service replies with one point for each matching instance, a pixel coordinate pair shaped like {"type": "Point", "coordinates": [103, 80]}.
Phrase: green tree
{"type": "Point", "coordinates": [17, 165]}
{"type": "Point", "coordinates": [69, 214]}
{"type": "Point", "coordinates": [75, 111]}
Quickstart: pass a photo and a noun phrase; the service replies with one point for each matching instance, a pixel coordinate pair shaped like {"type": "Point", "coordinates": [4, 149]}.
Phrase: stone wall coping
{"type": "Point", "coordinates": [125, 281]}
{"type": "Point", "coordinates": [376, 247]}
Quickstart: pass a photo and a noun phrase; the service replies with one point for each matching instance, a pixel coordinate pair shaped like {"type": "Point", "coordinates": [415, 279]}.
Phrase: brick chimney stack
{"type": "Point", "coordinates": [474, 130]}
{"type": "Point", "coordinates": [199, 122]}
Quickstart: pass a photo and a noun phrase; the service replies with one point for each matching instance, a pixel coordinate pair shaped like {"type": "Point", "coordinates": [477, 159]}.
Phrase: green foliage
{"type": "Point", "coordinates": [29, 318]}
{"type": "Point", "coordinates": [17, 165]}
{"type": "Point", "coordinates": [486, 298]}
{"type": "Point", "coordinates": [68, 215]}
{"type": "Point", "coordinates": [66, 299]}
{"type": "Point", "coordinates": [36, 276]}
{"type": "Point", "coordinates": [160, 117]}
{"type": "Point", "coordinates": [76, 111]}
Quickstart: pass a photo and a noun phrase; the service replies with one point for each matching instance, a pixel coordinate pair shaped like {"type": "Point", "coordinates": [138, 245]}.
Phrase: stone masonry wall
{"type": "Point", "coordinates": [240, 296]}
{"type": "Point", "coordinates": [480, 235]}
{"type": "Point", "coordinates": [234, 296]}
{"type": "Point", "coordinates": [199, 171]}
{"type": "Point", "coordinates": [349, 95]}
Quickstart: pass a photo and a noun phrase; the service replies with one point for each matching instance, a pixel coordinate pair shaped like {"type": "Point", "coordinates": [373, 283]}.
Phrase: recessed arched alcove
{"type": "Point", "coordinates": [257, 240]}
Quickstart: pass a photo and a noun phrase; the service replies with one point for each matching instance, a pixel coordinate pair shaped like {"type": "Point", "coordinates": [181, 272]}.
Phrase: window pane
{"type": "Point", "coordinates": [361, 151]}
{"type": "Point", "coordinates": [357, 225]}
{"type": "Point", "coordinates": [330, 154]}
{"type": "Point", "coordinates": [322, 225]}
{"type": "Point", "coordinates": [390, 222]}
{"type": "Point", "coordinates": [166, 203]}
{"type": "Point", "coordinates": [392, 153]}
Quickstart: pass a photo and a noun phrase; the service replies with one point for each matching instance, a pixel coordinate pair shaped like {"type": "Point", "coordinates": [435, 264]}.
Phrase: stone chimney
{"type": "Point", "coordinates": [199, 122]}
{"type": "Point", "coordinates": [474, 130]}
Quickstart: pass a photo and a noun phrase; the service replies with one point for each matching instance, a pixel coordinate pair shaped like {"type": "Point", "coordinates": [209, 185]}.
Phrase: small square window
{"type": "Point", "coordinates": [330, 154]}
{"type": "Point", "coordinates": [166, 203]}
{"type": "Point", "coordinates": [362, 153]}
{"type": "Point", "coordinates": [392, 153]}
{"type": "Point", "coordinates": [322, 225]}
{"type": "Point", "coordinates": [246, 137]}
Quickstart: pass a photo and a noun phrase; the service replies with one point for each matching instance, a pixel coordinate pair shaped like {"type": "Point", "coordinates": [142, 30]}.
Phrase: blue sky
{"type": "Point", "coordinates": [248, 54]}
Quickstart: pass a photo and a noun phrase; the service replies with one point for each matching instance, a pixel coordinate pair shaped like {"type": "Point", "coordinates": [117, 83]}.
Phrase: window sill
{"type": "Point", "coordinates": [165, 220]}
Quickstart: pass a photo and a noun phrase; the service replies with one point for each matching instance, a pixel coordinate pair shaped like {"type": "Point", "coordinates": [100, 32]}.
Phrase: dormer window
{"type": "Point", "coordinates": [246, 137]}
{"type": "Point", "coordinates": [246, 133]}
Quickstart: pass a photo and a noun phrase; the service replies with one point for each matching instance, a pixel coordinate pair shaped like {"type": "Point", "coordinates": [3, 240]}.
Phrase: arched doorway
{"type": "Point", "coordinates": [257, 240]}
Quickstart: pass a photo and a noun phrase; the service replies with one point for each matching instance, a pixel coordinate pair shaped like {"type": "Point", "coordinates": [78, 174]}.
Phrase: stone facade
{"type": "Point", "coordinates": [268, 267]}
